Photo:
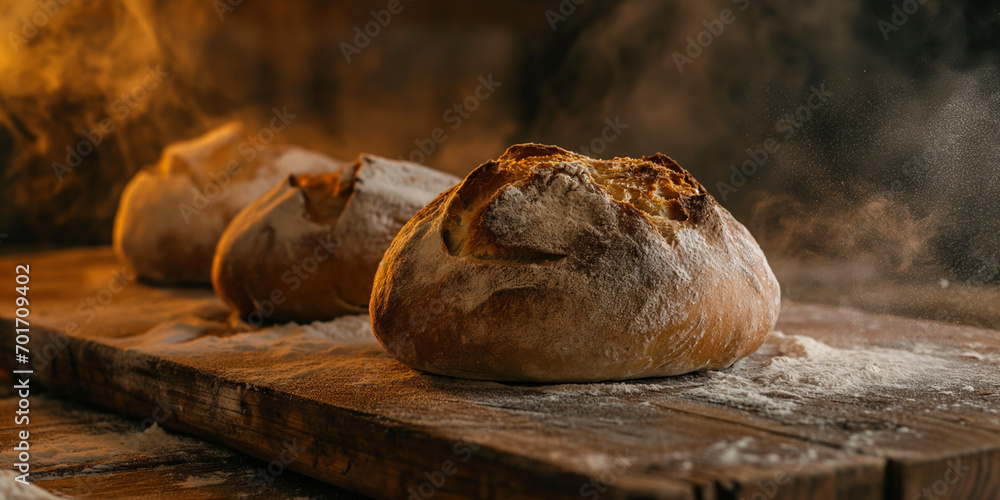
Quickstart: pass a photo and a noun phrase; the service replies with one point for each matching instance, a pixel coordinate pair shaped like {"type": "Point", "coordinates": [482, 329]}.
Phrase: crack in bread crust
{"type": "Point", "coordinates": [319, 238]}
{"type": "Point", "coordinates": [327, 194]}
{"type": "Point", "coordinates": [656, 187]}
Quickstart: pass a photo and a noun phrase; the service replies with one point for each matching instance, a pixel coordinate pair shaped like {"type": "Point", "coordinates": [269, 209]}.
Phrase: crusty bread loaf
{"type": "Point", "coordinates": [549, 266]}
{"type": "Point", "coordinates": [308, 249]}
{"type": "Point", "coordinates": [171, 214]}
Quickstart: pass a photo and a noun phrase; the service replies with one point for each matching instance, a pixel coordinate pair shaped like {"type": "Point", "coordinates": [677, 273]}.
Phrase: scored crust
{"type": "Point", "coordinates": [308, 249]}
{"type": "Point", "coordinates": [546, 265]}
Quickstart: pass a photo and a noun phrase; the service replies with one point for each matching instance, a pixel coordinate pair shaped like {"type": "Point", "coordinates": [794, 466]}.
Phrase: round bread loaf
{"type": "Point", "coordinates": [172, 214]}
{"type": "Point", "coordinates": [308, 249]}
{"type": "Point", "coordinates": [549, 266]}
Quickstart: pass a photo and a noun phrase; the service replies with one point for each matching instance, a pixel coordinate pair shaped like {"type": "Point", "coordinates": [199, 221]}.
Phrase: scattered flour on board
{"type": "Point", "coordinates": [787, 372]}
{"type": "Point", "coordinates": [754, 451]}
{"type": "Point", "coordinates": [801, 368]}
{"type": "Point", "coordinates": [792, 369]}
{"type": "Point", "coordinates": [67, 449]}
{"type": "Point", "coordinates": [729, 453]}
{"type": "Point", "coordinates": [13, 490]}
{"type": "Point", "coordinates": [786, 376]}
{"type": "Point", "coordinates": [74, 449]}
{"type": "Point", "coordinates": [784, 379]}
{"type": "Point", "coordinates": [192, 336]}
{"type": "Point", "coordinates": [211, 479]}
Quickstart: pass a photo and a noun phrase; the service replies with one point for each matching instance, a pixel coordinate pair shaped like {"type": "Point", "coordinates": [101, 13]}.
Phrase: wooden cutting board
{"type": "Point", "coordinates": [81, 452]}
{"type": "Point", "coordinates": [357, 419]}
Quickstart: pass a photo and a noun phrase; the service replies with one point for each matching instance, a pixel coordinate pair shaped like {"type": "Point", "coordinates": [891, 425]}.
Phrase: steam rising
{"type": "Point", "coordinates": [67, 78]}
{"type": "Point", "coordinates": [878, 229]}
{"type": "Point", "coordinates": [898, 174]}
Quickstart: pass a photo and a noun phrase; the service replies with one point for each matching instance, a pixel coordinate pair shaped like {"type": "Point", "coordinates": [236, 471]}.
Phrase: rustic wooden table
{"type": "Point", "coordinates": [82, 452]}
{"type": "Point", "coordinates": [842, 404]}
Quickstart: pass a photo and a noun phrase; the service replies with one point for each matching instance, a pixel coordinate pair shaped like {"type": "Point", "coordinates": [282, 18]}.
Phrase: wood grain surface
{"type": "Point", "coordinates": [370, 424]}
{"type": "Point", "coordinates": [85, 453]}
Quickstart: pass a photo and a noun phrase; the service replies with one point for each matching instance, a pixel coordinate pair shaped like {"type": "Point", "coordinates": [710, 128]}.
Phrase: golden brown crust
{"type": "Point", "coordinates": [314, 241]}
{"type": "Point", "coordinates": [326, 195]}
{"type": "Point", "coordinates": [545, 265]}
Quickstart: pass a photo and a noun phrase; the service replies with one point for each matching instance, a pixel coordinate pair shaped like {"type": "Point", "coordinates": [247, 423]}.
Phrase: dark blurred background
{"type": "Point", "coordinates": [870, 128]}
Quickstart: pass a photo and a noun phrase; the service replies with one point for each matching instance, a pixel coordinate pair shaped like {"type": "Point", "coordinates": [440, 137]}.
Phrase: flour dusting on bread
{"type": "Point", "coordinates": [545, 265]}
{"type": "Point", "coordinates": [308, 249]}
